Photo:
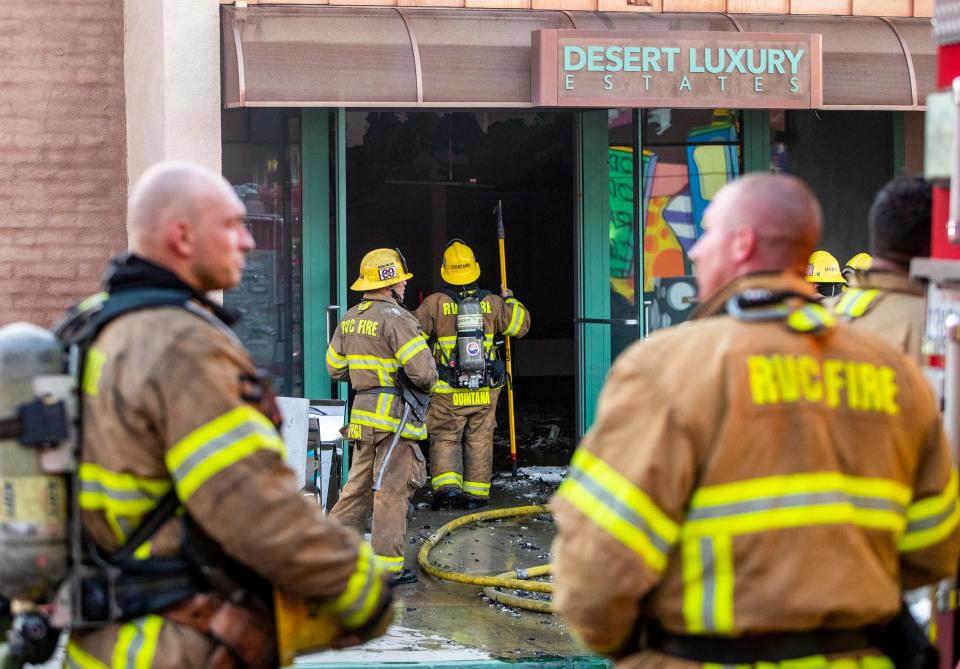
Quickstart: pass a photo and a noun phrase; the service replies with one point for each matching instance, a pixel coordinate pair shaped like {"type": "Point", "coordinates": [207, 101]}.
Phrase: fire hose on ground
{"type": "Point", "coordinates": [513, 580]}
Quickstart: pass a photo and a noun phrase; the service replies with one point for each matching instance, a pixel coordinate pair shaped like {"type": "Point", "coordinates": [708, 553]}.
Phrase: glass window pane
{"type": "Point", "coordinates": [261, 158]}
{"type": "Point", "coordinates": [688, 155]}
{"type": "Point", "coordinates": [624, 266]}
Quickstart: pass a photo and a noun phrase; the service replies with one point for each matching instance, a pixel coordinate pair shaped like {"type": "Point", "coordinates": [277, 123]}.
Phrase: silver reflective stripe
{"type": "Point", "coordinates": [792, 501]}
{"type": "Point", "coordinates": [619, 508]}
{"type": "Point", "coordinates": [709, 582]}
{"type": "Point", "coordinates": [932, 521]}
{"type": "Point", "coordinates": [115, 493]}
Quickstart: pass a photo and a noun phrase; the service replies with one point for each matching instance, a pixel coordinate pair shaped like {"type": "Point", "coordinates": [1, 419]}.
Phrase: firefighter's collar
{"type": "Point", "coordinates": [131, 271]}
{"type": "Point", "coordinates": [773, 282]}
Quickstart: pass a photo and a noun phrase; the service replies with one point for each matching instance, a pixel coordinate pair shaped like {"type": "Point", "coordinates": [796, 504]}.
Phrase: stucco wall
{"type": "Point", "coordinates": [63, 176]}
{"type": "Point", "coordinates": [172, 74]}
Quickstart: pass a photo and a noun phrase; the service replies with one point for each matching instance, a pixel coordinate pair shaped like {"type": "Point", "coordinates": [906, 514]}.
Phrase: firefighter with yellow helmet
{"type": "Point", "coordinates": [823, 269]}
{"type": "Point", "coordinates": [462, 321]}
{"type": "Point", "coordinates": [376, 340]}
{"type": "Point", "coordinates": [861, 262]}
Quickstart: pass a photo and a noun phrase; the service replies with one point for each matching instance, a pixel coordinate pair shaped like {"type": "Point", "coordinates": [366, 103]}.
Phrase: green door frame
{"type": "Point", "coordinates": [323, 134]}
{"type": "Point", "coordinates": [592, 234]}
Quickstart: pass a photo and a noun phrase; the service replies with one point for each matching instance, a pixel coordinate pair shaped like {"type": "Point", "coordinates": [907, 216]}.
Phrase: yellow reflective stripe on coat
{"type": "Point", "coordinates": [406, 352]}
{"type": "Point", "coordinates": [388, 423]}
{"type": "Point", "coordinates": [391, 563]}
{"type": "Point", "coordinates": [612, 502]}
{"type": "Point", "coordinates": [221, 443]}
{"type": "Point", "coordinates": [359, 599]}
{"type": "Point", "coordinates": [717, 514]}
{"type": "Point", "coordinates": [476, 488]}
{"type": "Point", "coordinates": [707, 567]}
{"type": "Point", "coordinates": [137, 643]}
{"type": "Point", "coordinates": [120, 493]}
{"type": "Point", "coordinates": [92, 371]}
{"type": "Point", "coordinates": [123, 498]}
{"type": "Point", "coordinates": [447, 478]}
{"type": "Point", "coordinates": [931, 519]}
{"type": "Point", "coordinates": [855, 302]}
{"type": "Point", "coordinates": [78, 658]}
{"type": "Point", "coordinates": [384, 367]}
{"type": "Point", "coordinates": [814, 662]}
{"type": "Point", "coordinates": [516, 317]}
{"type": "Point", "coordinates": [334, 359]}
{"type": "Point", "coordinates": [797, 500]}
{"type": "Point", "coordinates": [810, 318]}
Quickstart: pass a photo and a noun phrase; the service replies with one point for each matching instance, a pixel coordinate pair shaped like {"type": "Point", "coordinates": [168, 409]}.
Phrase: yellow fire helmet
{"type": "Point", "coordinates": [381, 268]}
{"type": "Point", "coordinates": [860, 261]}
{"type": "Point", "coordinates": [823, 268]}
{"type": "Point", "coordinates": [460, 266]}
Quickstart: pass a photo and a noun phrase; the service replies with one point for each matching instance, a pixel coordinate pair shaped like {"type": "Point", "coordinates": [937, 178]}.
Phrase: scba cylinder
{"type": "Point", "coordinates": [33, 508]}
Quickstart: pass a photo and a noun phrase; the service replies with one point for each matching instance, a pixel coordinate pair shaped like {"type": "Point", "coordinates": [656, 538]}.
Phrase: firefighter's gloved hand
{"type": "Point", "coordinates": [505, 292]}
{"type": "Point", "coordinates": [375, 627]}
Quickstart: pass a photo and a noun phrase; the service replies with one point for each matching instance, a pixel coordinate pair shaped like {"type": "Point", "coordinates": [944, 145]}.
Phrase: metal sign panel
{"type": "Point", "coordinates": [609, 68]}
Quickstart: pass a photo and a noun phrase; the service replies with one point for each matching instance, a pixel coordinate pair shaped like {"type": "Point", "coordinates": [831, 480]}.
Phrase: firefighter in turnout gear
{"type": "Point", "coordinates": [377, 338]}
{"type": "Point", "coordinates": [461, 323]}
{"type": "Point", "coordinates": [883, 299]}
{"type": "Point", "coordinates": [173, 409]}
{"type": "Point", "coordinates": [762, 480]}
{"type": "Point", "coordinates": [823, 270]}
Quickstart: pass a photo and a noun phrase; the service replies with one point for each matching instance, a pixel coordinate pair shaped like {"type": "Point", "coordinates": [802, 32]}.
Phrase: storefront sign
{"type": "Point", "coordinates": [609, 68]}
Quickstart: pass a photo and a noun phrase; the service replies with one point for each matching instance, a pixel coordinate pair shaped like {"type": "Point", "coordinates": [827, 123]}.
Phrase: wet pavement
{"type": "Point", "coordinates": [445, 624]}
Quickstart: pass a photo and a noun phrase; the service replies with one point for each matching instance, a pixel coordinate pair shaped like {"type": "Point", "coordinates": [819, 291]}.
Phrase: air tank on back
{"type": "Point", "coordinates": [33, 508]}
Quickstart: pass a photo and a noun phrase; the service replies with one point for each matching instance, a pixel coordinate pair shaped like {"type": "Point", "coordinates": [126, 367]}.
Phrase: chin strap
{"type": "Point", "coordinates": [396, 296]}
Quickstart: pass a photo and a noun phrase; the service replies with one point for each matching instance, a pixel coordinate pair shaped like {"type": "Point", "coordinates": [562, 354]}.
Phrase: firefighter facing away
{"type": "Point", "coordinates": [882, 298]}
{"type": "Point", "coordinates": [763, 480]}
{"type": "Point", "coordinates": [462, 322]}
{"type": "Point", "coordinates": [173, 408]}
{"type": "Point", "coordinates": [377, 339]}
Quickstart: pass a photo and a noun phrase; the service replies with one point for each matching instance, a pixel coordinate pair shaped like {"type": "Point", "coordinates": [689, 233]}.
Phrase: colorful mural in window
{"type": "Point", "coordinates": [688, 155]}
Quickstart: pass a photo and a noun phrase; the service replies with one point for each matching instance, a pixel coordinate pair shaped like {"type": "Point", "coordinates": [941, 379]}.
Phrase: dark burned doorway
{"type": "Point", "coordinates": [418, 179]}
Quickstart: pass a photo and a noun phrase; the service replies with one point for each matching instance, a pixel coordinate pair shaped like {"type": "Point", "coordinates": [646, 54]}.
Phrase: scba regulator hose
{"type": "Point", "coordinates": [511, 580]}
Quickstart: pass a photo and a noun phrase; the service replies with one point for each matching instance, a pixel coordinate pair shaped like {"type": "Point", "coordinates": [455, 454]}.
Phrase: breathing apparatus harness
{"type": "Point", "coordinates": [468, 365]}
{"type": "Point", "coordinates": [102, 588]}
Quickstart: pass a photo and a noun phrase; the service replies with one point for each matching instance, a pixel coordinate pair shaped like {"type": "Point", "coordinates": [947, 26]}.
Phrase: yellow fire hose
{"type": "Point", "coordinates": [511, 580]}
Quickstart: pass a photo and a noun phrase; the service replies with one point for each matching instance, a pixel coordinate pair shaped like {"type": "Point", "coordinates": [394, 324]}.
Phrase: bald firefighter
{"type": "Point", "coordinates": [461, 321]}
{"type": "Point", "coordinates": [179, 433]}
{"type": "Point", "coordinates": [882, 298]}
{"type": "Point", "coordinates": [761, 482]}
{"type": "Point", "coordinates": [377, 339]}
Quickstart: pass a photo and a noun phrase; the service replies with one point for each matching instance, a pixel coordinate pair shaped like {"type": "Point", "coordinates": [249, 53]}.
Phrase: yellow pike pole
{"type": "Point", "coordinates": [506, 353]}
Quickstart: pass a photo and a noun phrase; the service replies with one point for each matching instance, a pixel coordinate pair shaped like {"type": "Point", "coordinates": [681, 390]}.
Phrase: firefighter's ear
{"type": "Point", "coordinates": [179, 238]}
{"type": "Point", "coordinates": [743, 244]}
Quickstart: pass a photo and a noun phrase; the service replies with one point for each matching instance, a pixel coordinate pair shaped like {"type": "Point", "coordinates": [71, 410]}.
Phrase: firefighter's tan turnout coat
{"type": "Point", "coordinates": [165, 398]}
{"type": "Point", "coordinates": [461, 421]}
{"type": "Point", "coordinates": [888, 304]}
{"type": "Point", "coordinates": [765, 473]}
{"type": "Point", "coordinates": [376, 338]}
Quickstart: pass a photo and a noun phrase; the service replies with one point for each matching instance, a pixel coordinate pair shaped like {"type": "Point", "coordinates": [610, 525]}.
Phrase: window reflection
{"type": "Point", "coordinates": [688, 155]}
{"type": "Point", "coordinates": [261, 158]}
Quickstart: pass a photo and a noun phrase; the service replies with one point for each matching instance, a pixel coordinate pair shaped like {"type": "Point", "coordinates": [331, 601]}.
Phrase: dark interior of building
{"type": "Point", "coordinates": [416, 180]}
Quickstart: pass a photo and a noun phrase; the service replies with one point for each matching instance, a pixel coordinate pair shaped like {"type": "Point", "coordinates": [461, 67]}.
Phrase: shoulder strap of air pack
{"type": "Point", "coordinates": [459, 297]}
{"type": "Point", "coordinates": [80, 328]}
{"type": "Point", "coordinates": [84, 321]}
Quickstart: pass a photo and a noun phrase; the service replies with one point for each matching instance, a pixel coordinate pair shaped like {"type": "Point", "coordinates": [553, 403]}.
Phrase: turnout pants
{"type": "Point", "coordinates": [405, 473]}
{"type": "Point", "coordinates": [461, 442]}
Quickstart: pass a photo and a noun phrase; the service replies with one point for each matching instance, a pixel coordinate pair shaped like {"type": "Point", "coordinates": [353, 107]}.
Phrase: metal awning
{"type": "Point", "coordinates": [322, 56]}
